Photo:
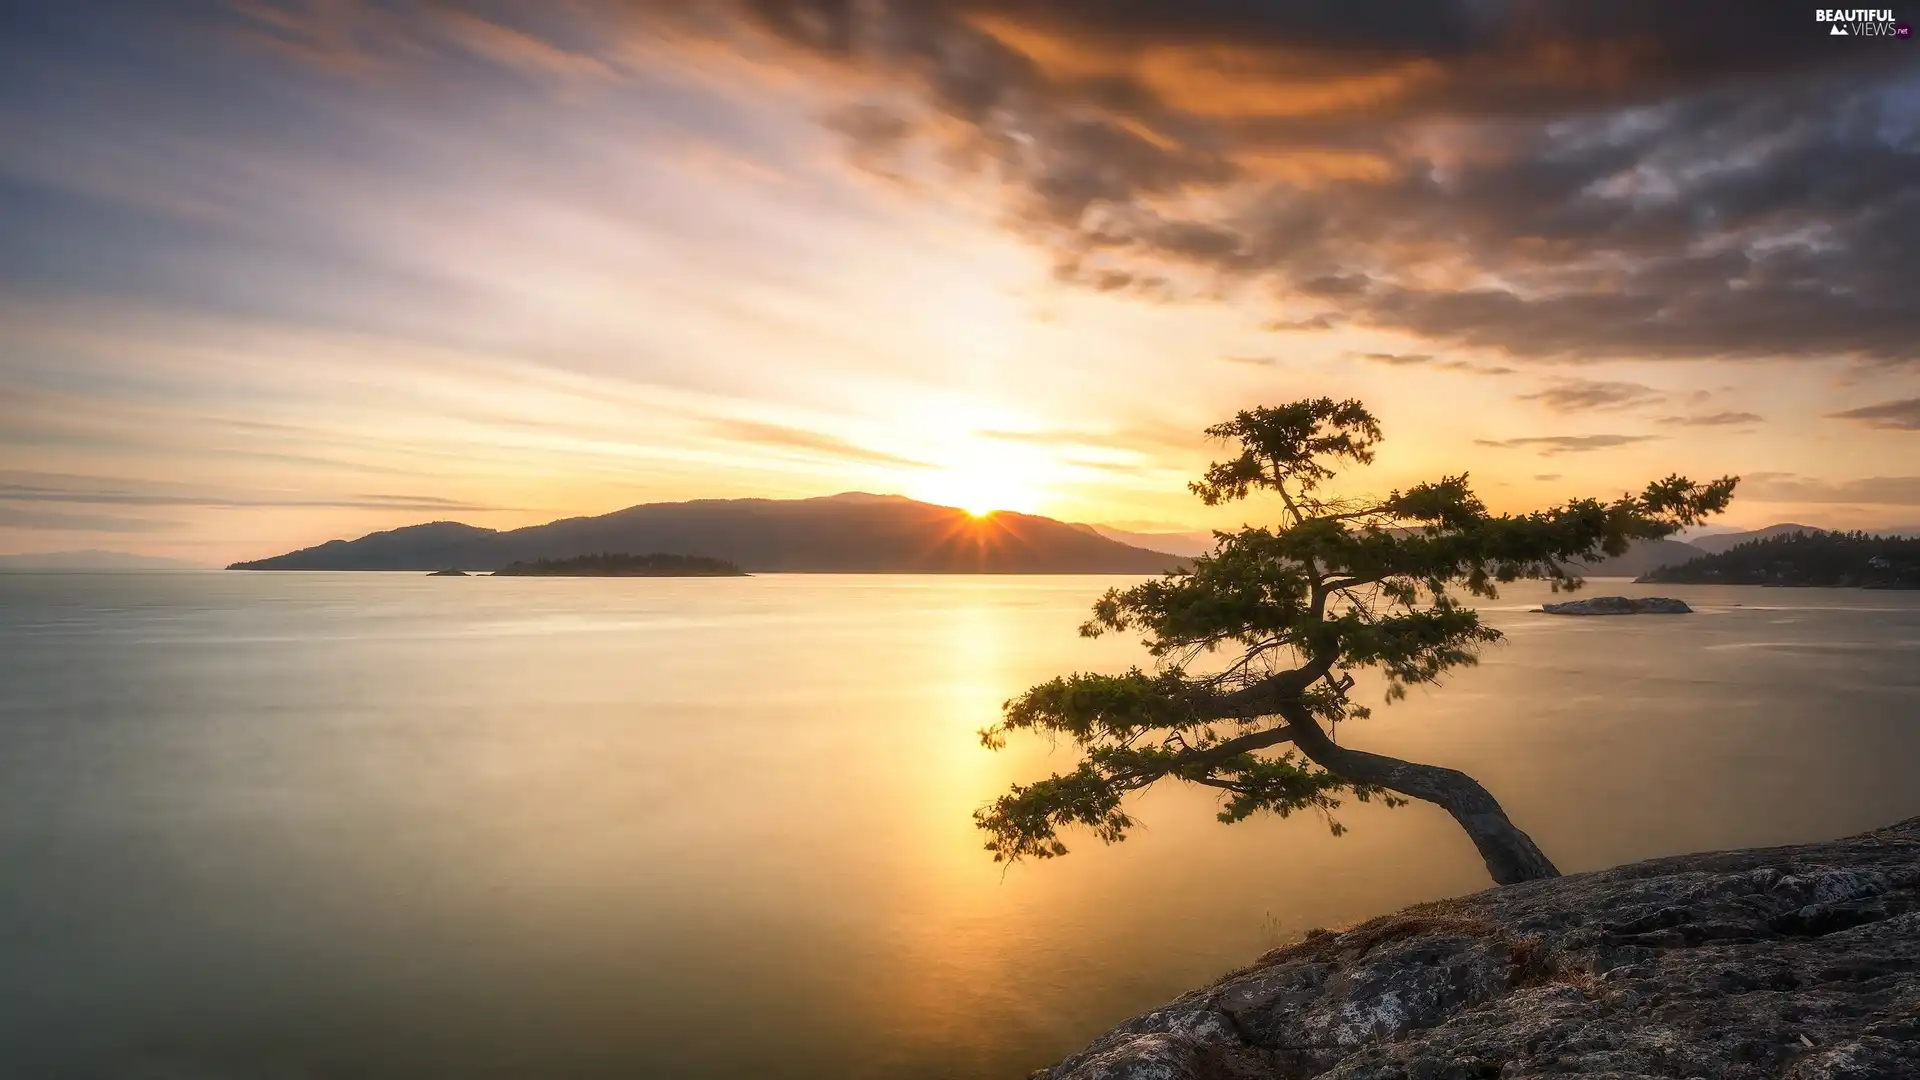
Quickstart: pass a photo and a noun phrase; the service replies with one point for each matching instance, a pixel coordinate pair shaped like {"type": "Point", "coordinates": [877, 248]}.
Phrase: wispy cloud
{"type": "Point", "coordinates": [1428, 360]}
{"type": "Point", "coordinates": [1251, 361]}
{"type": "Point", "coordinates": [1311, 323]}
{"type": "Point", "coordinates": [1719, 419]}
{"type": "Point", "coordinates": [1902, 415]}
{"type": "Point", "coordinates": [18, 487]}
{"type": "Point", "coordinates": [817, 443]}
{"type": "Point", "coordinates": [1551, 445]}
{"type": "Point", "coordinates": [38, 520]}
{"type": "Point", "coordinates": [1868, 491]}
{"type": "Point", "coordinates": [1575, 395]}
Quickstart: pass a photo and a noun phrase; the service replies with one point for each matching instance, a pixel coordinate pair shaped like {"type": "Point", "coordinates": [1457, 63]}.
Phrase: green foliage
{"type": "Point", "coordinates": [1278, 620]}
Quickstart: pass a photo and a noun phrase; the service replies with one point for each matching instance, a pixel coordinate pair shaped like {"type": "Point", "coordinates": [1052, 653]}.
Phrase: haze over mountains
{"type": "Point", "coordinates": [848, 533]}
{"type": "Point", "coordinates": [91, 560]}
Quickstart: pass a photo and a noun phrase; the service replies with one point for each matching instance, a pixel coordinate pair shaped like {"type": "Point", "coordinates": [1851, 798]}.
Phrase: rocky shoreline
{"type": "Point", "coordinates": [1790, 963]}
{"type": "Point", "coordinates": [1619, 605]}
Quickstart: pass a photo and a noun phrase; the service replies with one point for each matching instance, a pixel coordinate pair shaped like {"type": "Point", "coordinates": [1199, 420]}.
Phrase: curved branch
{"type": "Point", "coordinates": [1264, 698]}
{"type": "Point", "coordinates": [1221, 752]}
{"type": "Point", "coordinates": [1511, 855]}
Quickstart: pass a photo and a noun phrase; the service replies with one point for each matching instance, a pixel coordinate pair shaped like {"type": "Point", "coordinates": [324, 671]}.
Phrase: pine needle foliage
{"type": "Point", "coordinates": [1264, 636]}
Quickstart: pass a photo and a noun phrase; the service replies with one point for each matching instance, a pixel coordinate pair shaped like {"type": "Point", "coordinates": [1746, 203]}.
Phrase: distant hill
{"type": "Point", "coordinates": [850, 533]}
{"type": "Point", "coordinates": [93, 560]}
{"type": "Point", "coordinates": [1184, 544]}
{"type": "Point", "coordinates": [1642, 556]}
{"type": "Point", "coordinates": [1719, 542]}
{"type": "Point", "coordinates": [1807, 557]}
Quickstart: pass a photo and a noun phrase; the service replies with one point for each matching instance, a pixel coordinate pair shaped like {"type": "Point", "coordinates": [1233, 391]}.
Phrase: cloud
{"type": "Point", "coordinates": [1136, 438]}
{"type": "Point", "coordinates": [1546, 181]}
{"type": "Point", "coordinates": [1719, 419]}
{"type": "Point", "coordinates": [1468, 367]}
{"type": "Point", "coordinates": [1547, 476]}
{"type": "Point", "coordinates": [1255, 361]}
{"type": "Point", "coordinates": [1314, 322]}
{"type": "Point", "coordinates": [1472, 368]}
{"type": "Point", "coordinates": [1870, 491]}
{"type": "Point", "coordinates": [814, 442]}
{"type": "Point", "coordinates": [1551, 445]}
{"type": "Point", "coordinates": [15, 517]}
{"type": "Point", "coordinates": [1903, 415]}
{"type": "Point", "coordinates": [1576, 180]}
{"type": "Point", "coordinates": [1574, 395]}
{"type": "Point", "coordinates": [24, 487]}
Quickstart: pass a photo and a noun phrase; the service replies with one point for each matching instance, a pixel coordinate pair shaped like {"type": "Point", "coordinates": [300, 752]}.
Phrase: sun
{"type": "Point", "coordinates": [979, 489]}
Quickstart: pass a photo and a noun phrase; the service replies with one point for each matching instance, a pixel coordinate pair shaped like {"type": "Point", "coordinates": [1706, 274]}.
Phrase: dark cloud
{"type": "Point", "coordinates": [1871, 491]}
{"type": "Point", "coordinates": [1574, 395]}
{"type": "Point", "coordinates": [1903, 415]}
{"type": "Point", "coordinates": [1551, 445]}
{"type": "Point", "coordinates": [1639, 178]}
{"type": "Point", "coordinates": [1397, 359]}
{"type": "Point", "coordinates": [814, 442]}
{"type": "Point", "coordinates": [1719, 419]}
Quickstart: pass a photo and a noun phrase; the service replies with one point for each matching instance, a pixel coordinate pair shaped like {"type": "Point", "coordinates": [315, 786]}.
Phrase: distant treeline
{"type": "Point", "coordinates": [1812, 558]}
{"type": "Point", "coordinates": [609, 564]}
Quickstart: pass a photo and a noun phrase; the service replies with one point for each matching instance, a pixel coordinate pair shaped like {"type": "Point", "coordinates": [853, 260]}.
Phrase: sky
{"type": "Point", "coordinates": [277, 272]}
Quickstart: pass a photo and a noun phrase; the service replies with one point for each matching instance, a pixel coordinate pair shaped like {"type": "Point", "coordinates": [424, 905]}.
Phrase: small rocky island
{"type": "Point", "coordinates": [1620, 605]}
{"type": "Point", "coordinates": [615, 565]}
{"type": "Point", "coordinates": [1791, 963]}
{"type": "Point", "coordinates": [451, 571]}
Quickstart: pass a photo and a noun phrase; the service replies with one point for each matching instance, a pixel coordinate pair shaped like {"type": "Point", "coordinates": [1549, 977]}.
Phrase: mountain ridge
{"type": "Point", "coordinates": [93, 559]}
{"type": "Point", "coordinates": [853, 532]}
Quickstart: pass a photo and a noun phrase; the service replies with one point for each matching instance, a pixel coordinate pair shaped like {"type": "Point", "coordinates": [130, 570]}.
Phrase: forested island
{"type": "Point", "coordinates": [615, 565]}
{"type": "Point", "coordinates": [1813, 558]}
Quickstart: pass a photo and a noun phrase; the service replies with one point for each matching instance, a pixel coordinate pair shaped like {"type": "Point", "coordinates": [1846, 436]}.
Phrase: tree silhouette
{"type": "Point", "coordinates": [1341, 585]}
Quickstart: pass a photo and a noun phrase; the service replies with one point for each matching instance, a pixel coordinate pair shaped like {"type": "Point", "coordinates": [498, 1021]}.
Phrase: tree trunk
{"type": "Point", "coordinates": [1510, 854]}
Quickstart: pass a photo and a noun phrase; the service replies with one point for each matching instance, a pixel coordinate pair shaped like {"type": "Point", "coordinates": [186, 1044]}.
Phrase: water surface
{"type": "Point", "coordinates": [370, 826]}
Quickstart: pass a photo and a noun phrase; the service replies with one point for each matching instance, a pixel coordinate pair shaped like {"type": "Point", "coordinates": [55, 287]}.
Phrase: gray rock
{"type": "Point", "coordinates": [1620, 605]}
{"type": "Point", "coordinates": [1795, 963]}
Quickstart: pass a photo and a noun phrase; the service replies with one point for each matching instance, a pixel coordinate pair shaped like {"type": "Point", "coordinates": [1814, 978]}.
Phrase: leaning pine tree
{"type": "Point", "coordinates": [1340, 586]}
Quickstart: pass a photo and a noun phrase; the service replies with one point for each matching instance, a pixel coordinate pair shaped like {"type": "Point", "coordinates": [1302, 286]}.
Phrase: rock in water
{"type": "Point", "coordinates": [452, 571]}
{"type": "Point", "coordinates": [1620, 605]}
{"type": "Point", "coordinates": [1797, 963]}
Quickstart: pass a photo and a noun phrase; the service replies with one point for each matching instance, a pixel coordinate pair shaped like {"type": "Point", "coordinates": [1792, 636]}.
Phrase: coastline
{"type": "Point", "coordinates": [1800, 962]}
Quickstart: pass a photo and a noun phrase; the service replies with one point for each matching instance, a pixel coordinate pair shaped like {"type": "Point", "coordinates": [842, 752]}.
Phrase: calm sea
{"type": "Point", "coordinates": [373, 826]}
